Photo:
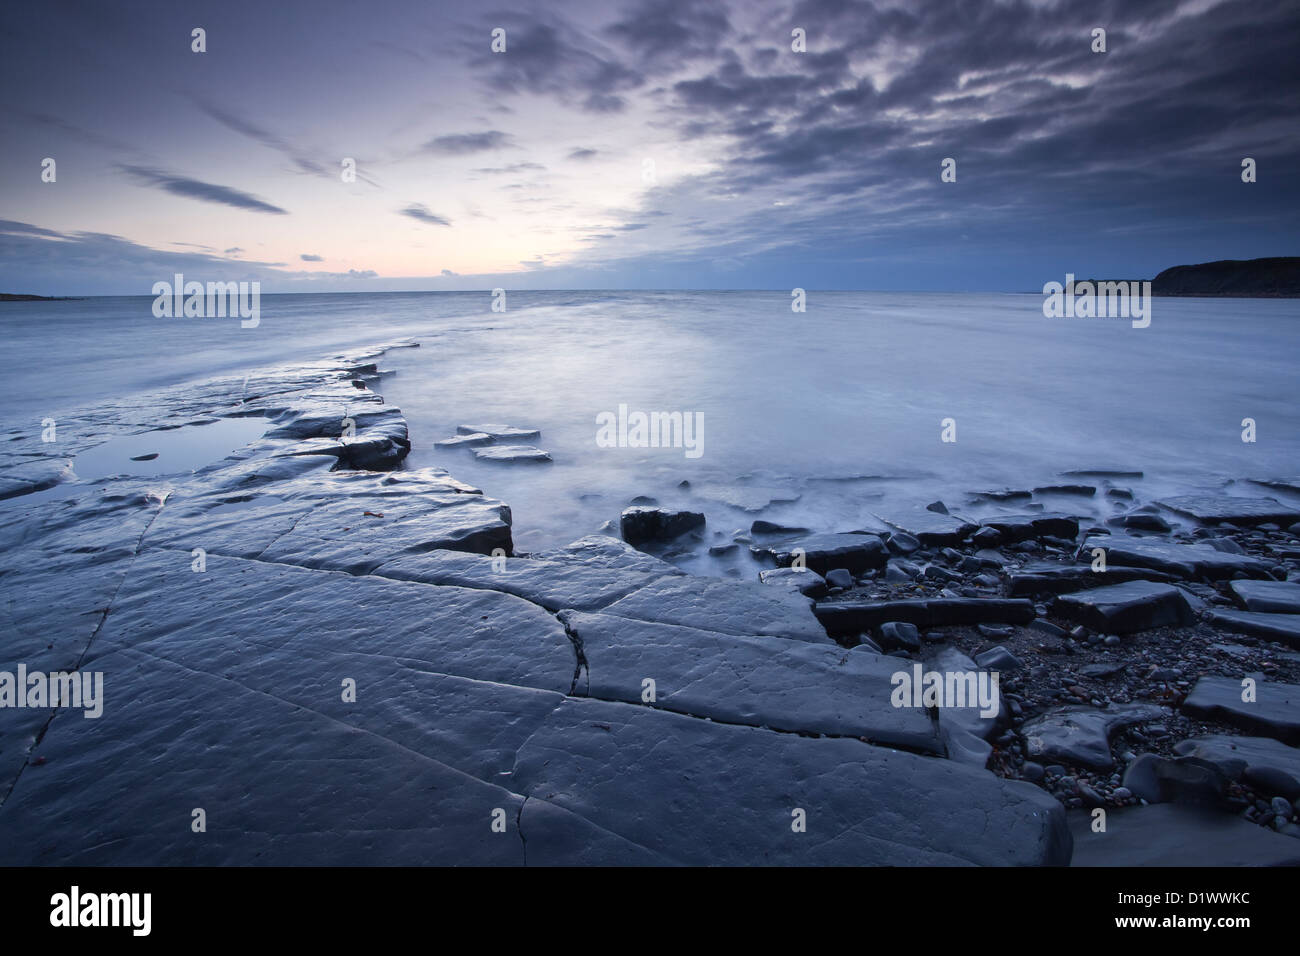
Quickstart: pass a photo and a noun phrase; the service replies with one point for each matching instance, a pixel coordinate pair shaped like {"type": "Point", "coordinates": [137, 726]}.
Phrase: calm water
{"type": "Point", "coordinates": [856, 387]}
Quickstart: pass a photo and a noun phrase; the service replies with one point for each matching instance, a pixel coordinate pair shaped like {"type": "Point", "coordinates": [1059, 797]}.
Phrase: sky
{"type": "Point", "coordinates": [613, 144]}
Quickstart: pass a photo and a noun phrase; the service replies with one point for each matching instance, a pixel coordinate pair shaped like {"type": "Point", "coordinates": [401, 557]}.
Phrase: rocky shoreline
{"type": "Point", "coordinates": [594, 704]}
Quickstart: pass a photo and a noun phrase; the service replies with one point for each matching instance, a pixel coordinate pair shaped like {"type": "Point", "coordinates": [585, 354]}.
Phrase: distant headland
{"type": "Point", "coordinates": [1277, 277]}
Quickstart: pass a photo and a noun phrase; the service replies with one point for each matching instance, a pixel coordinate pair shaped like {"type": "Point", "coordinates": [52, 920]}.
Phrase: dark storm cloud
{"type": "Point", "coordinates": [195, 189]}
{"type": "Point", "coordinates": [459, 144]}
{"type": "Point", "coordinates": [420, 213]}
{"type": "Point", "coordinates": [1036, 121]}
{"type": "Point", "coordinates": [663, 32]}
{"type": "Point", "coordinates": [549, 55]}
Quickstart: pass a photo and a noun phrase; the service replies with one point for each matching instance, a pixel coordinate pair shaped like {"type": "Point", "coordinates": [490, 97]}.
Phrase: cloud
{"type": "Point", "coordinates": [420, 213]}
{"type": "Point", "coordinates": [308, 257]}
{"type": "Point", "coordinates": [512, 168]}
{"type": "Point", "coordinates": [195, 189]}
{"type": "Point", "coordinates": [548, 55]}
{"type": "Point", "coordinates": [300, 158]}
{"type": "Point", "coordinates": [448, 272]}
{"type": "Point", "coordinates": [460, 144]}
{"type": "Point", "coordinates": [583, 153]}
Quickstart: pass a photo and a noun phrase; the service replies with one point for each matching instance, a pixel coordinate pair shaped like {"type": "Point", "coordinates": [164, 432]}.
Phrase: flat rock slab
{"type": "Point", "coordinates": [289, 511]}
{"type": "Point", "coordinates": [465, 441]}
{"type": "Point", "coordinates": [802, 580]}
{"type": "Point", "coordinates": [1273, 597]}
{"type": "Point", "coordinates": [1064, 578]}
{"type": "Point", "coordinates": [522, 453]}
{"type": "Point", "coordinates": [483, 635]}
{"type": "Point", "coordinates": [758, 682]}
{"type": "Point", "coordinates": [589, 574]}
{"type": "Point", "coordinates": [1182, 560]}
{"type": "Point", "coordinates": [825, 552]}
{"type": "Point", "coordinates": [745, 608]}
{"type": "Point", "coordinates": [1251, 757]}
{"type": "Point", "coordinates": [1275, 627]}
{"type": "Point", "coordinates": [930, 527]}
{"type": "Point", "coordinates": [1022, 527]}
{"type": "Point", "coordinates": [1125, 608]}
{"type": "Point", "coordinates": [844, 619]}
{"type": "Point", "coordinates": [413, 777]}
{"type": "Point", "coordinates": [1216, 509]}
{"type": "Point", "coordinates": [499, 432]}
{"type": "Point", "coordinates": [1081, 735]}
{"type": "Point", "coordinates": [1166, 834]}
{"type": "Point", "coordinates": [338, 535]}
{"type": "Point", "coordinates": [1281, 484]}
{"type": "Point", "coordinates": [1275, 712]}
{"type": "Point", "coordinates": [748, 498]}
{"type": "Point", "coordinates": [703, 793]}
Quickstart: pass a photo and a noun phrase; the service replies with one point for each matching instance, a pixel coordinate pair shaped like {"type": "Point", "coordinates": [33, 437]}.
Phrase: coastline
{"type": "Point", "coordinates": [323, 563]}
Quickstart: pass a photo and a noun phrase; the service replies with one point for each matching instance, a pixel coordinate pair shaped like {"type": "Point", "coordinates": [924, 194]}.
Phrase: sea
{"type": "Point", "coordinates": [858, 409]}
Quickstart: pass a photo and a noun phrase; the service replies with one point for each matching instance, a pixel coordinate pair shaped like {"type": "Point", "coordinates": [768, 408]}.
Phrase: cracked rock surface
{"type": "Point", "coordinates": [337, 661]}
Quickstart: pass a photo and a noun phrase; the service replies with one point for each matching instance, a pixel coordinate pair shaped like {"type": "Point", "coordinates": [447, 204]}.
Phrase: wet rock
{"type": "Point", "coordinates": [1101, 473]}
{"type": "Point", "coordinates": [1226, 545]}
{"type": "Point", "coordinates": [1141, 521]}
{"type": "Point", "coordinates": [642, 523]}
{"type": "Point", "coordinates": [1048, 628]}
{"type": "Point", "coordinates": [614, 778]}
{"type": "Point", "coordinates": [853, 618]}
{"type": "Point", "coordinates": [803, 580]}
{"type": "Point", "coordinates": [1187, 780]}
{"type": "Point", "coordinates": [783, 685]}
{"type": "Point", "coordinates": [823, 552]}
{"type": "Point", "coordinates": [1022, 527]}
{"type": "Point", "coordinates": [1081, 735]}
{"type": "Point", "coordinates": [839, 578]}
{"type": "Point", "coordinates": [1276, 627]}
{"type": "Point", "coordinates": [1274, 597]}
{"type": "Point", "coordinates": [465, 441]}
{"type": "Point", "coordinates": [1086, 491]}
{"type": "Point", "coordinates": [998, 659]}
{"type": "Point", "coordinates": [746, 608]}
{"type": "Point", "coordinates": [767, 527]}
{"type": "Point", "coordinates": [1269, 765]}
{"type": "Point", "coordinates": [588, 574]}
{"type": "Point", "coordinates": [1219, 509]}
{"type": "Point", "coordinates": [1166, 834]}
{"type": "Point", "coordinates": [500, 432]}
{"type": "Point", "coordinates": [1183, 560]}
{"type": "Point", "coordinates": [899, 635]}
{"type": "Point", "coordinates": [1004, 495]}
{"type": "Point", "coordinates": [1062, 579]}
{"type": "Point", "coordinates": [511, 453]}
{"type": "Point", "coordinates": [899, 542]}
{"type": "Point", "coordinates": [1125, 608]}
{"type": "Point", "coordinates": [1275, 711]}
{"type": "Point", "coordinates": [931, 528]}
